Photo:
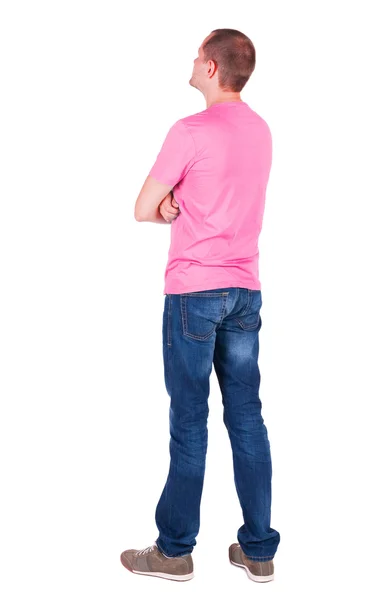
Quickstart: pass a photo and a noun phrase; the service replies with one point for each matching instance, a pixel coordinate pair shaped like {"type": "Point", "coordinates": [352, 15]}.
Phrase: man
{"type": "Point", "coordinates": [217, 164]}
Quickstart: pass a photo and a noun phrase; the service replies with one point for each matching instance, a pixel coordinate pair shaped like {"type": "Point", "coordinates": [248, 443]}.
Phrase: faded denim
{"type": "Point", "coordinates": [216, 327]}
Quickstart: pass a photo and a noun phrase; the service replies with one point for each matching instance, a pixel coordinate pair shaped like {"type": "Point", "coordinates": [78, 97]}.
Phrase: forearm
{"type": "Point", "coordinates": [157, 218]}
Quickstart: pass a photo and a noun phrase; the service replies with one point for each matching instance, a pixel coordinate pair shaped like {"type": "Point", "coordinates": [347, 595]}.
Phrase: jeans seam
{"type": "Point", "coordinates": [224, 304]}
{"type": "Point", "coordinates": [256, 557]}
{"type": "Point", "coordinates": [214, 294]}
{"type": "Point", "coordinates": [169, 320]}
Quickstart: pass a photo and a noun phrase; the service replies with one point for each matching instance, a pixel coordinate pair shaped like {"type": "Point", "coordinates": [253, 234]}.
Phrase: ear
{"type": "Point", "coordinates": [212, 68]}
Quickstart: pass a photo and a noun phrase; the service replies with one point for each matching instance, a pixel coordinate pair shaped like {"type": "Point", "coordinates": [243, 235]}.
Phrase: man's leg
{"type": "Point", "coordinates": [189, 333]}
{"type": "Point", "coordinates": [236, 366]}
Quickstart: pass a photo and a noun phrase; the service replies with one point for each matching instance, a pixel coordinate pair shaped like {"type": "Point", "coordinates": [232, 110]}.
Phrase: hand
{"type": "Point", "coordinates": [169, 208]}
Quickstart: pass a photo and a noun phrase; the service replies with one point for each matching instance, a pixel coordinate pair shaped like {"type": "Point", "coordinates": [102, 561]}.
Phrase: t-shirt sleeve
{"type": "Point", "coordinates": [176, 157]}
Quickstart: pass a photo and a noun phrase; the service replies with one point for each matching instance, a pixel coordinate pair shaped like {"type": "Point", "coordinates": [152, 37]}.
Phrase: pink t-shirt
{"type": "Point", "coordinates": [218, 163]}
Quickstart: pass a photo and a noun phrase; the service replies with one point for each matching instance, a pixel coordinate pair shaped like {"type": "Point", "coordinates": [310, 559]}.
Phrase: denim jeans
{"type": "Point", "coordinates": [217, 327]}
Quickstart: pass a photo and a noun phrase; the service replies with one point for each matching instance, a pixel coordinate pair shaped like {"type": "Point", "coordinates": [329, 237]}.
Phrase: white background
{"type": "Point", "coordinates": [88, 93]}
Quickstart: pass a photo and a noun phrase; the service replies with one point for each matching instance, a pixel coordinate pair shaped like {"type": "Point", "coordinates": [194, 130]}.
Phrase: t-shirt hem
{"type": "Point", "coordinates": [215, 285]}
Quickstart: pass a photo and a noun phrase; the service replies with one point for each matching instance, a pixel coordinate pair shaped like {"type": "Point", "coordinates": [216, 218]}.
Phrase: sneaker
{"type": "Point", "coordinates": [150, 561]}
{"type": "Point", "coordinates": [256, 570]}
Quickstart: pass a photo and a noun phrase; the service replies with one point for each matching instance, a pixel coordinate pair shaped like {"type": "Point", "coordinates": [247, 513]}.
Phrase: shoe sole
{"type": "Point", "coordinates": [256, 578]}
{"type": "Point", "coordinates": [186, 577]}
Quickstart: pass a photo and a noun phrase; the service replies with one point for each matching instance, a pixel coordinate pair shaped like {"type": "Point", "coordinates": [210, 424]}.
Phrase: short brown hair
{"type": "Point", "coordinates": [234, 54]}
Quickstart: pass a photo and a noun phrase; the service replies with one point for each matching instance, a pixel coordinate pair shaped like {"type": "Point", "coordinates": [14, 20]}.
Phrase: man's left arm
{"type": "Point", "coordinates": [173, 162]}
{"type": "Point", "coordinates": [147, 204]}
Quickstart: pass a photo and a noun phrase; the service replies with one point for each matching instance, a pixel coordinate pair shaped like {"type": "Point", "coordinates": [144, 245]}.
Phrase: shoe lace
{"type": "Point", "coordinates": [147, 550]}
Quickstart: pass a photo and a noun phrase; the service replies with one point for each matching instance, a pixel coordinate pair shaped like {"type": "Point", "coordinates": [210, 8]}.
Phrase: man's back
{"type": "Point", "coordinates": [219, 162]}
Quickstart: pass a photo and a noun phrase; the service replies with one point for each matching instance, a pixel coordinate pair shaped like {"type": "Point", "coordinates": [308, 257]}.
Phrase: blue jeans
{"type": "Point", "coordinates": [218, 327]}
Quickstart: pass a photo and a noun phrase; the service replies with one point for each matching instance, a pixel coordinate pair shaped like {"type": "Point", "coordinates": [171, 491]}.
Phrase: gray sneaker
{"type": "Point", "coordinates": [256, 570]}
{"type": "Point", "coordinates": [150, 561]}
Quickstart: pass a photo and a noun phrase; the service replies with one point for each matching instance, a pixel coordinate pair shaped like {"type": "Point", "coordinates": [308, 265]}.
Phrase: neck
{"type": "Point", "coordinates": [217, 97]}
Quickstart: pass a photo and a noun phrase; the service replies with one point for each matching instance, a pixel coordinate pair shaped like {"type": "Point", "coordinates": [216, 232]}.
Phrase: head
{"type": "Point", "coordinates": [225, 61]}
